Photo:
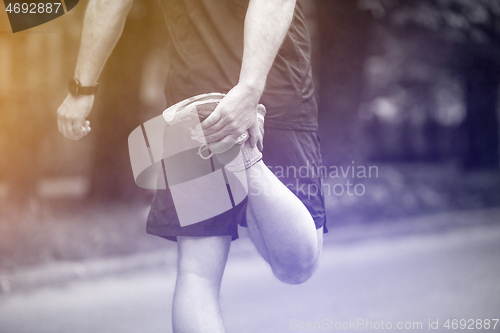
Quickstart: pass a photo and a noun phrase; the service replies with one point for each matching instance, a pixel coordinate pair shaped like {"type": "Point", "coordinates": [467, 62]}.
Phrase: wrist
{"type": "Point", "coordinates": [81, 97]}
{"type": "Point", "coordinates": [254, 88]}
{"type": "Point", "coordinates": [76, 88]}
{"type": "Point", "coordinates": [86, 77]}
{"type": "Point", "coordinates": [86, 81]}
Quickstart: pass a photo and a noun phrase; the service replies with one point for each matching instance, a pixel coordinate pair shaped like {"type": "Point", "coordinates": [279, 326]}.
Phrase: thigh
{"type": "Point", "coordinates": [295, 159]}
{"type": "Point", "coordinates": [204, 257]}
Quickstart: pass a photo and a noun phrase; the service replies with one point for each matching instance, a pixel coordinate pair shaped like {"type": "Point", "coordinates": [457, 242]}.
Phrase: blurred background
{"type": "Point", "coordinates": [409, 87]}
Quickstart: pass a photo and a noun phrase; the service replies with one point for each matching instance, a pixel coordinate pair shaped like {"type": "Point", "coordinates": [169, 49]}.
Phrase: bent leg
{"type": "Point", "coordinates": [281, 227]}
{"type": "Point", "coordinates": [201, 265]}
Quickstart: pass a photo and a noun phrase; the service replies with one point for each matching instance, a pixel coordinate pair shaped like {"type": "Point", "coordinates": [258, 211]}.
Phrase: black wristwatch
{"type": "Point", "coordinates": [75, 88]}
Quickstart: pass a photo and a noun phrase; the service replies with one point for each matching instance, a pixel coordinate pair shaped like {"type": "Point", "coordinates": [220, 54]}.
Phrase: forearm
{"type": "Point", "coordinates": [103, 25]}
{"type": "Point", "coordinates": [266, 25]}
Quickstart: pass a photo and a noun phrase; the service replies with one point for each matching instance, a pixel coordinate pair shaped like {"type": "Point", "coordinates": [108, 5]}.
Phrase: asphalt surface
{"type": "Point", "coordinates": [388, 278]}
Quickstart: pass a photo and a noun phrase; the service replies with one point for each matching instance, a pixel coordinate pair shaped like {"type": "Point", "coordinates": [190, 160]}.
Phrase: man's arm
{"type": "Point", "coordinates": [266, 25]}
{"type": "Point", "coordinates": [103, 26]}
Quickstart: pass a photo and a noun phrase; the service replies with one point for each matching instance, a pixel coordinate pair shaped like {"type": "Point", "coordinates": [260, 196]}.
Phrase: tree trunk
{"type": "Point", "coordinates": [481, 124]}
{"type": "Point", "coordinates": [344, 36]}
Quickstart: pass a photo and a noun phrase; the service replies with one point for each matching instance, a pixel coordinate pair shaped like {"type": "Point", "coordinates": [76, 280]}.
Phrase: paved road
{"type": "Point", "coordinates": [424, 278]}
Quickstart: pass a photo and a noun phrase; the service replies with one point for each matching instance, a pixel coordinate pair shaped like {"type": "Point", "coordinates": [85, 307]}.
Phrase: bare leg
{"type": "Point", "coordinates": [281, 227]}
{"type": "Point", "coordinates": [196, 299]}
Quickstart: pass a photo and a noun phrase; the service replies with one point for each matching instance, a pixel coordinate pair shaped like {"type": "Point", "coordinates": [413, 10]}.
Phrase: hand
{"type": "Point", "coordinates": [71, 116]}
{"type": "Point", "coordinates": [235, 114]}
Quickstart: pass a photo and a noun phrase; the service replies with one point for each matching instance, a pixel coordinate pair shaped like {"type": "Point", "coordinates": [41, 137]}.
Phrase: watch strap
{"type": "Point", "coordinates": [76, 88]}
{"type": "Point", "coordinates": [91, 90]}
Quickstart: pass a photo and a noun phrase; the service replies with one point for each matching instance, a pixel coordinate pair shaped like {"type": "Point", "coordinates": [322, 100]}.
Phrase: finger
{"type": "Point", "coordinates": [77, 127]}
{"type": "Point", "coordinates": [260, 144]}
{"type": "Point", "coordinates": [220, 135]}
{"type": "Point", "coordinates": [253, 141]}
{"type": "Point", "coordinates": [209, 131]}
{"type": "Point", "coordinates": [214, 118]}
{"type": "Point", "coordinates": [255, 135]}
{"type": "Point", "coordinates": [85, 131]}
{"type": "Point", "coordinates": [232, 139]}
{"type": "Point", "coordinates": [68, 130]}
{"type": "Point", "coordinates": [70, 136]}
{"type": "Point", "coordinates": [215, 133]}
{"type": "Point", "coordinates": [86, 127]}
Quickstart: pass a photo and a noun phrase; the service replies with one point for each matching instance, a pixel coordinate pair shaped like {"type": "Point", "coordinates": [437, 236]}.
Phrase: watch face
{"type": "Point", "coordinates": [73, 87]}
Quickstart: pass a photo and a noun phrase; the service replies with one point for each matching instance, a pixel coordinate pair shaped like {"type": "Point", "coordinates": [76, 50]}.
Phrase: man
{"type": "Point", "coordinates": [236, 47]}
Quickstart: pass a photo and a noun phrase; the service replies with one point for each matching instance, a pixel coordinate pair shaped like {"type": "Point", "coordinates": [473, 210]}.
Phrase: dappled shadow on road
{"type": "Point", "coordinates": [413, 278]}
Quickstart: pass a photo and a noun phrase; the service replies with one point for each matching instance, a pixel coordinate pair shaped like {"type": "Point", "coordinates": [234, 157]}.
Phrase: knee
{"type": "Point", "coordinates": [295, 272]}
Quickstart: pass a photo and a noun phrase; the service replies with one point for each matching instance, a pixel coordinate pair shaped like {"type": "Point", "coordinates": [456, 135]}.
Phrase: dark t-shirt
{"type": "Point", "coordinates": [205, 49]}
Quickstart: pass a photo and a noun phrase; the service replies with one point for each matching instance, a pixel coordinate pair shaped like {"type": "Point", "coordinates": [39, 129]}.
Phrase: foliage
{"type": "Point", "coordinates": [459, 21]}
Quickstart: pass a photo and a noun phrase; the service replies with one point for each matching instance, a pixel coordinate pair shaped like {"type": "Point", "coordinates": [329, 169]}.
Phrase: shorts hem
{"type": "Point", "coordinates": [170, 233]}
{"type": "Point", "coordinates": [321, 222]}
{"type": "Point", "coordinates": [290, 127]}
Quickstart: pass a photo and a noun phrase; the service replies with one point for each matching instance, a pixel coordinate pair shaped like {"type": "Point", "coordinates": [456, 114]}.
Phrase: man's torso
{"type": "Point", "coordinates": [205, 48]}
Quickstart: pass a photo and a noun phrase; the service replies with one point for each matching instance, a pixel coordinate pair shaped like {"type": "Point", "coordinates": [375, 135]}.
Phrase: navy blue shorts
{"type": "Point", "coordinates": [293, 156]}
